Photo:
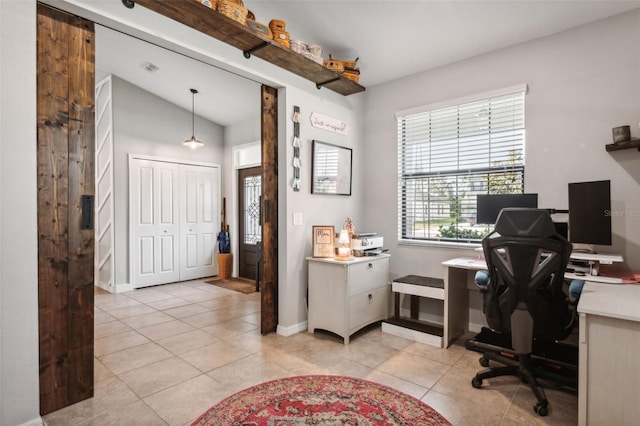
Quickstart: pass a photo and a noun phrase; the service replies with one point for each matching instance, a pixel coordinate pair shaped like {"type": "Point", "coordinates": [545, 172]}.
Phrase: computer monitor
{"type": "Point", "coordinates": [490, 205]}
{"type": "Point", "coordinates": [590, 212]}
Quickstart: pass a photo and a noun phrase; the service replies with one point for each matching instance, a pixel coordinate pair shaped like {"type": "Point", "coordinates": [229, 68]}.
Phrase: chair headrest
{"type": "Point", "coordinates": [525, 222]}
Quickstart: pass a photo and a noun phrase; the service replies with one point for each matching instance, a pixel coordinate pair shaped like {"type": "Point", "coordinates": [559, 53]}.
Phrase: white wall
{"type": "Point", "coordinates": [145, 124]}
{"type": "Point", "coordinates": [19, 392]}
{"type": "Point", "coordinates": [295, 241]}
{"type": "Point", "coordinates": [582, 83]}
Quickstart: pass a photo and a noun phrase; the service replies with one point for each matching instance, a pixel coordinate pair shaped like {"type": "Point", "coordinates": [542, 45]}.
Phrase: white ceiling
{"type": "Point", "coordinates": [222, 97]}
{"type": "Point", "coordinates": [392, 38]}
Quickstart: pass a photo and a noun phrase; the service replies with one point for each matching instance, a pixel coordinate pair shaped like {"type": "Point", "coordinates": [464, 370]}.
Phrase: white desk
{"type": "Point", "coordinates": [609, 342]}
{"type": "Point", "coordinates": [458, 276]}
{"type": "Point", "coordinates": [458, 279]}
{"type": "Point", "coordinates": [609, 349]}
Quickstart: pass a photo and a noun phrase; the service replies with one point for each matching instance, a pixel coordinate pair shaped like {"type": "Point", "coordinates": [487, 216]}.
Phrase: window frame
{"type": "Point", "coordinates": [409, 177]}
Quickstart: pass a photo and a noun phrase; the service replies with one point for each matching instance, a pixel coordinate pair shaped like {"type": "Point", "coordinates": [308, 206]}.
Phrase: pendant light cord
{"type": "Point", "coordinates": [193, 112]}
{"type": "Point", "coordinates": [193, 143]}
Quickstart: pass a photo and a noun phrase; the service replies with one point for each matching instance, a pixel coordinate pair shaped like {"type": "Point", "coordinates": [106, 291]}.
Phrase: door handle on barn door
{"type": "Point", "coordinates": [86, 204]}
{"type": "Point", "coordinates": [268, 206]}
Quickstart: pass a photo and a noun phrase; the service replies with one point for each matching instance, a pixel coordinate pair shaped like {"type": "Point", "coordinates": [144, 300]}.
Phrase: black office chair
{"type": "Point", "coordinates": [525, 303]}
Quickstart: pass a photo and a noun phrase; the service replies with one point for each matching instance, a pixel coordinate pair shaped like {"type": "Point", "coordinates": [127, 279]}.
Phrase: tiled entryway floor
{"type": "Point", "coordinates": [165, 354]}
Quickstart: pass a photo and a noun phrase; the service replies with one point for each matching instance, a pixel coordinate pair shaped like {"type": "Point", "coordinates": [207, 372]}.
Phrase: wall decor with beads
{"type": "Point", "coordinates": [296, 149]}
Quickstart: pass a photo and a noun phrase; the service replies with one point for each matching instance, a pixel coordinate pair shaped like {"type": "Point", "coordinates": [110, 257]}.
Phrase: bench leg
{"type": "Point", "coordinates": [415, 306]}
{"type": "Point", "coordinates": [396, 311]}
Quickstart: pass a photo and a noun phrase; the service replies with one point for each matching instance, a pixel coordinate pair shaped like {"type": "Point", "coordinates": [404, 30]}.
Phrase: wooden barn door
{"type": "Point", "coordinates": [65, 114]}
{"type": "Point", "coordinates": [269, 216]}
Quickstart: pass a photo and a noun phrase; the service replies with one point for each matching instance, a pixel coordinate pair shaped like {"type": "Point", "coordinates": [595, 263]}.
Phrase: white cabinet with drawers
{"type": "Point", "coordinates": [345, 296]}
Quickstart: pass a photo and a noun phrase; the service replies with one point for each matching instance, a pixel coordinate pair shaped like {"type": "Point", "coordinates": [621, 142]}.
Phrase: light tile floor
{"type": "Point", "coordinates": [165, 354]}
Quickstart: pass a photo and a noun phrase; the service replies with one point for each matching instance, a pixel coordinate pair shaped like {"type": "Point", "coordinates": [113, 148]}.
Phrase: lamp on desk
{"type": "Point", "coordinates": [344, 246]}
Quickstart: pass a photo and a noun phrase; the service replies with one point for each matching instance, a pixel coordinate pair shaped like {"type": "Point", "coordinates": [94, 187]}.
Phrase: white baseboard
{"type": "Point", "coordinates": [35, 422]}
{"type": "Point", "coordinates": [417, 336]}
{"type": "Point", "coordinates": [105, 287]}
{"type": "Point", "coordinates": [292, 329]}
{"type": "Point", "coordinates": [119, 288]}
{"type": "Point", "coordinates": [475, 328]}
{"type": "Point", "coordinates": [123, 287]}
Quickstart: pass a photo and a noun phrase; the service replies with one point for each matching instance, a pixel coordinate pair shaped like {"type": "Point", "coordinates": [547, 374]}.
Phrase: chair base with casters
{"type": "Point", "coordinates": [556, 361]}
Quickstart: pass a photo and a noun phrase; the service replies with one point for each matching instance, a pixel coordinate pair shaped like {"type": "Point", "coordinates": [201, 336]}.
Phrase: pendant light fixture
{"type": "Point", "coordinates": [193, 143]}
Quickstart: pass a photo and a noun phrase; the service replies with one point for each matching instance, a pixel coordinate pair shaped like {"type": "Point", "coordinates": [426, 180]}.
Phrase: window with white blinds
{"type": "Point", "coordinates": [447, 155]}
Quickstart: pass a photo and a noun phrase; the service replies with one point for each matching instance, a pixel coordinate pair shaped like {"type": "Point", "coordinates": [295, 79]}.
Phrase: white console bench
{"type": "Point", "coordinates": [411, 327]}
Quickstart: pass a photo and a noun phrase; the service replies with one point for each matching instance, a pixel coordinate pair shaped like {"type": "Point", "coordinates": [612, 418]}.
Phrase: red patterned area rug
{"type": "Point", "coordinates": [320, 400]}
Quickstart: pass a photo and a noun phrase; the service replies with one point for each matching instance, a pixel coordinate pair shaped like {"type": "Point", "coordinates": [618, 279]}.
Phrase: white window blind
{"type": "Point", "coordinates": [448, 155]}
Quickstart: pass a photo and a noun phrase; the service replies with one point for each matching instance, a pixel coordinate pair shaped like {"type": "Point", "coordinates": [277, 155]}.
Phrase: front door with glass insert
{"type": "Point", "coordinates": [250, 229]}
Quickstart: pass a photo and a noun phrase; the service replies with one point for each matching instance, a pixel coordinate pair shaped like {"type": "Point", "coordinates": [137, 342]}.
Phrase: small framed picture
{"type": "Point", "coordinates": [323, 241]}
{"type": "Point", "coordinates": [330, 169]}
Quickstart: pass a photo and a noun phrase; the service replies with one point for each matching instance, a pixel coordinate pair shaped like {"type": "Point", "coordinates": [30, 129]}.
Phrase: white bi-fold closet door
{"type": "Point", "coordinates": [173, 216]}
{"type": "Point", "coordinates": [198, 219]}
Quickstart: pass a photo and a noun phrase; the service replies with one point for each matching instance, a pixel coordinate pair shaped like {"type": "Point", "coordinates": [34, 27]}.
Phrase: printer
{"type": "Point", "coordinates": [366, 244]}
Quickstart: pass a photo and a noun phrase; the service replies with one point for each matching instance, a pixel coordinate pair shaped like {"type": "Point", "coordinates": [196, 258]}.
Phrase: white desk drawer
{"type": "Point", "coordinates": [368, 275]}
{"type": "Point", "coordinates": [368, 306]}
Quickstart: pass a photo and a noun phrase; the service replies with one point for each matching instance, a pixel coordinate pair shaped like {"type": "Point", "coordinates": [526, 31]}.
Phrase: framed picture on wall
{"type": "Point", "coordinates": [331, 169]}
{"type": "Point", "coordinates": [323, 241]}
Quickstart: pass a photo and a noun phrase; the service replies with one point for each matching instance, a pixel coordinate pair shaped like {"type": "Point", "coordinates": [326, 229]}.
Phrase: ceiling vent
{"type": "Point", "coordinates": [148, 66]}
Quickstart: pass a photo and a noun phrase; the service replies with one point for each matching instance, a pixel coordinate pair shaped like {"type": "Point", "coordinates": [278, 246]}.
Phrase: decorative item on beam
{"type": "Point", "coordinates": [344, 67]}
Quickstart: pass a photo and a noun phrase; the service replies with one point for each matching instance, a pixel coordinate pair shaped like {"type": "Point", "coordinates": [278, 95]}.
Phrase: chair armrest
{"type": "Point", "coordinates": [575, 289]}
{"type": "Point", "coordinates": [482, 280]}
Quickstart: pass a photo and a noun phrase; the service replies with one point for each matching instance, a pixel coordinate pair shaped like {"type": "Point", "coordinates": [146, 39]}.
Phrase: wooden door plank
{"type": "Point", "coordinates": [269, 282]}
{"type": "Point", "coordinates": [53, 88]}
{"type": "Point", "coordinates": [81, 182]}
{"type": "Point", "coordinates": [65, 170]}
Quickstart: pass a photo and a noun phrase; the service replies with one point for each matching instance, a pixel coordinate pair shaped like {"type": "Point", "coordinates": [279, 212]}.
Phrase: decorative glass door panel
{"type": "Point", "coordinates": [250, 227]}
{"type": "Point", "coordinates": [252, 186]}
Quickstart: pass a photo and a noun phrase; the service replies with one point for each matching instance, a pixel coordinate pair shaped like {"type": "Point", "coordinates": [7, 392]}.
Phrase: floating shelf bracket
{"type": "Point", "coordinates": [247, 53]}
{"type": "Point", "coordinates": [324, 83]}
{"type": "Point", "coordinates": [631, 143]}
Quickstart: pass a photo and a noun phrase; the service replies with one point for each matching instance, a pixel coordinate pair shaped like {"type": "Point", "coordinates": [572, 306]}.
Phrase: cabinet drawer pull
{"type": "Point", "coordinates": [370, 265]}
{"type": "Point", "coordinates": [370, 296]}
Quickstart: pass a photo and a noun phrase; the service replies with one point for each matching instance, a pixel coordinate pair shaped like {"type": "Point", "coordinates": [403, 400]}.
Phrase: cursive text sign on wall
{"type": "Point", "coordinates": [327, 123]}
